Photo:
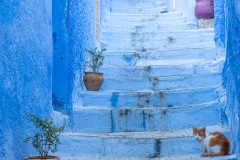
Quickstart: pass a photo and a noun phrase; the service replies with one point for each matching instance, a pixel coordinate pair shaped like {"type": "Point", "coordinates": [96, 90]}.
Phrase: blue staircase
{"type": "Point", "coordinates": [162, 76]}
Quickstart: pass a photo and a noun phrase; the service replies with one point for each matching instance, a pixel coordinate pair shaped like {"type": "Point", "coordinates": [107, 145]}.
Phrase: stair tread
{"type": "Point", "coordinates": [109, 108]}
{"type": "Point", "coordinates": [149, 134]}
{"type": "Point", "coordinates": [179, 157]}
{"type": "Point", "coordinates": [148, 91]}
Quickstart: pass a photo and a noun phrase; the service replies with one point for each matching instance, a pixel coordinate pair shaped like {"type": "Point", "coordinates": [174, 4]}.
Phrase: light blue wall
{"type": "Point", "coordinates": [81, 36]}
{"type": "Point", "coordinates": [231, 74]}
{"type": "Point", "coordinates": [26, 70]}
{"type": "Point", "coordinates": [60, 48]}
{"type": "Point", "coordinates": [105, 6]}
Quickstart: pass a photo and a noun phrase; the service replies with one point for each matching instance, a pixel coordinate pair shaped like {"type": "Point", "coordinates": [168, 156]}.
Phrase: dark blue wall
{"type": "Point", "coordinates": [60, 48]}
{"type": "Point", "coordinates": [26, 71]}
{"type": "Point", "coordinates": [219, 20]}
{"type": "Point", "coordinates": [81, 36]}
{"type": "Point", "coordinates": [231, 73]}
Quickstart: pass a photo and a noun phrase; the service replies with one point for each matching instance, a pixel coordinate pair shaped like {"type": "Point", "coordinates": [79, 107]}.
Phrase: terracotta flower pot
{"type": "Point", "coordinates": [204, 9]}
{"type": "Point", "coordinates": [93, 80]}
{"type": "Point", "coordinates": [40, 158]}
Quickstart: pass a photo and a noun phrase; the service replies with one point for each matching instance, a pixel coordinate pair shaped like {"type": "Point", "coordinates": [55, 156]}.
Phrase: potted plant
{"type": "Point", "coordinates": [93, 80]}
{"type": "Point", "coordinates": [45, 139]}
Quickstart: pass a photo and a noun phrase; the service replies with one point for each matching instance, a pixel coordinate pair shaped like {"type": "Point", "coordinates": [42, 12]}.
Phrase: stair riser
{"type": "Point", "coordinates": [120, 48]}
{"type": "Point", "coordinates": [147, 43]}
{"type": "Point", "coordinates": [136, 120]}
{"type": "Point", "coordinates": [154, 35]}
{"type": "Point", "coordinates": [149, 99]}
{"type": "Point", "coordinates": [144, 22]}
{"type": "Point", "coordinates": [77, 146]}
{"type": "Point", "coordinates": [139, 10]}
{"type": "Point", "coordinates": [123, 147]}
{"type": "Point", "coordinates": [116, 16]}
{"type": "Point", "coordinates": [143, 6]}
{"type": "Point", "coordinates": [140, 19]}
{"type": "Point", "coordinates": [147, 71]}
{"type": "Point", "coordinates": [160, 83]}
{"type": "Point", "coordinates": [136, 1]}
{"type": "Point", "coordinates": [155, 71]}
{"type": "Point", "coordinates": [153, 28]}
{"type": "Point", "coordinates": [130, 59]}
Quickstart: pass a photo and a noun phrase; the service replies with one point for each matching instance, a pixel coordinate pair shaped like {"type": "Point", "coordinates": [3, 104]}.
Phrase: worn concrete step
{"type": "Point", "coordinates": [161, 83]}
{"type": "Point", "coordinates": [136, 10]}
{"type": "Point", "coordinates": [139, 18]}
{"type": "Point", "coordinates": [134, 145]}
{"type": "Point", "coordinates": [132, 22]}
{"type": "Point", "coordinates": [121, 48]}
{"type": "Point", "coordinates": [138, 5]}
{"type": "Point", "coordinates": [160, 70]}
{"type": "Point", "coordinates": [138, 1]}
{"type": "Point", "coordinates": [129, 16]}
{"type": "Point", "coordinates": [152, 28]}
{"type": "Point", "coordinates": [104, 120]}
{"type": "Point", "coordinates": [160, 98]}
{"type": "Point", "coordinates": [149, 42]}
{"type": "Point", "coordinates": [155, 34]}
{"type": "Point", "coordinates": [178, 157]}
{"type": "Point", "coordinates": [131, 58]}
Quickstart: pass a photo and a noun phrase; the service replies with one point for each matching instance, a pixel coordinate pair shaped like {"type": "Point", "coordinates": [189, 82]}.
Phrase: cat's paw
{"type": "Point", "coordinates": [204, 155]}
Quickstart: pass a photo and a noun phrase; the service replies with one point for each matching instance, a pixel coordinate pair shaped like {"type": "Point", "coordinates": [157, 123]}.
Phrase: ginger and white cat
{"type": "Point", "coordinates": [214, 144]}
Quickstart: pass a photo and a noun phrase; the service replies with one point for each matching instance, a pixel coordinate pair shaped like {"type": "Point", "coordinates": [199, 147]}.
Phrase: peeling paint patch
{"type": "Point", "coordinates": [114, 99]}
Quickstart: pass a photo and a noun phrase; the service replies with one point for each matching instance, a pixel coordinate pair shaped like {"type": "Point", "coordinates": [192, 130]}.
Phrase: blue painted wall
{"type": "Point", "coordinates": [219, 20]}
{"type": "Point", "coordinates": [81, 36]}
{"type": "Point", "coordinates": [231, 73]}
{"type": "Point", "coordinates": [105, 7]}
{"type": "Point", "coordinates": [60, 48]}
{"type": "Point", "coordinates": [26, 70]}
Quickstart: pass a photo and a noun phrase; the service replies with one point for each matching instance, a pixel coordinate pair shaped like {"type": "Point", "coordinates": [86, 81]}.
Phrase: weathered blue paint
{"type": "Point", "coordinates": [104, 9]}
{"type": "Point", "coordinates": [81, 36]}
{"type": "Point", "coordinates": [231, 73]}
{"type": "Point", "coordinates": [26, 71]}
{"type": "Point", "coordinates": [60, 43]}
{"type": "Point", "coordinates": [219, 20]}
{"type": "Point", "coordinates": [114, 99]}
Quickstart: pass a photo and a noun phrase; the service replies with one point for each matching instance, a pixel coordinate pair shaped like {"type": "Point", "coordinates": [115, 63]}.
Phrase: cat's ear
{"type": "Point", "coordinates": [204, 129]}
{"type": "Point", "coordinates": [193, 128]}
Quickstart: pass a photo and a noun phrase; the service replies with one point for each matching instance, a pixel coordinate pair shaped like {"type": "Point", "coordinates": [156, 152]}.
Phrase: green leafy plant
{"type": "Point", "coordinates": [95, 59]}
{"type": "Point", "coordinates": [46, 138]}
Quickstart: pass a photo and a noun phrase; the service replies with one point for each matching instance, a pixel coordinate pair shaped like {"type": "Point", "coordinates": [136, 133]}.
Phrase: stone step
{"type": "Point", "coordinates": [161, 47]}
{"type": "Point", "coordinates": [178, 157]}
{"type": "Point", "coordinates": [105, 120]}
{"type": "Point", "coordinates": [155, 34]}
{"type": "Point", "coordinates": [159, 98]}
{"type": "Point", "coordinates": [131, 58]}
{"type": "Point", "coordinates": [129, 16]}
{"type": "Point", "coordinates": [149, 42]}
{"type": "Point", "coordinates": [134, 145]}
{"type": "Point", "coordinates": [131, 22]}
{"type": "Point", "coordinates": [152, 28]}
{"type": "Point", "coordinates": [138, 1]}
{"type": "Point", "coordinates": [161, 83]}
{"type": "Point", "coordinates": [140, 18]}
{"type": "Point", "coordinates": [142, 10]}
{"type": "Point", "coordinates": [138, 5]}
{"type": "Point", "coordinates": [160, 70]}
{"type": "Point", "coordinates": [139, 10]}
